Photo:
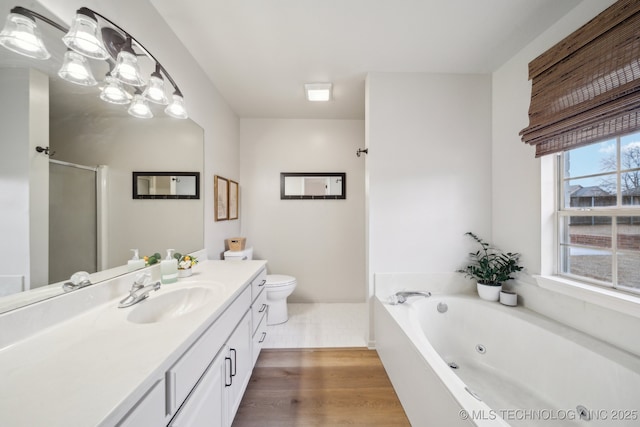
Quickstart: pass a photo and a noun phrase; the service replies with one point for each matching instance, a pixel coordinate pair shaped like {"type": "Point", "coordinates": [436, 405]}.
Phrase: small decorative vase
{"type": "Point", "coordinates": [489, 292]}
{"type": "Point", "coordinates": [509, 298]}
{"type": "Point", "coordinates": [186, 272]}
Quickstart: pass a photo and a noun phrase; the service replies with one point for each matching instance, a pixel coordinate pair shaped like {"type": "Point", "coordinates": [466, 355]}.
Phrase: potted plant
{"type": "Point", "coordinates": [185, 262]}
{"type": "Point", "coordinates": [490, 267]}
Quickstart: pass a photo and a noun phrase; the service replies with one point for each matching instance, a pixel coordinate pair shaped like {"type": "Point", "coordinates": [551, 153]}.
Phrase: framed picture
{"type": "Point", "coordinates": [233, 200]}
{"type": "Point", "coordinates": [221, 198]}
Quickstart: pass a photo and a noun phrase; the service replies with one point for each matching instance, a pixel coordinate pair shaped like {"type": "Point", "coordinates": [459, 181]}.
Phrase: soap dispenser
{"type": "Point", "coordinates": [135, 263]}
{"type": "Point", "coordinates": [169, 268]}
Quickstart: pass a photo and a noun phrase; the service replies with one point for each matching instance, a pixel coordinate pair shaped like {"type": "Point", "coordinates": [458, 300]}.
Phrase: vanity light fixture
{"type": "Point", "coordinates": [113, 92]}
{"type": "Point", "coordinates": [140, 107]}
{"type": "Point", "coordinates": [318, 91]}
{"type": "Point", "coordinates": [75, 69]}
{"type": "Point", "coordinates": [84, 36]}
{"type": "Point", "coordinates": [127, 69]}
{"type": "Point", "coordinates": [94, 36]}
{"type": "Point", "coordinates": [21, 35]}
{"type": "Point", "coordinates": [155, 88]}
{"type": "Point", "coordinates": [177, 109]}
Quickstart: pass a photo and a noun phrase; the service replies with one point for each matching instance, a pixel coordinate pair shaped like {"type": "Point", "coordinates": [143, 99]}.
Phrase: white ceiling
{"type": "Point", "coordinates": [259, 53]}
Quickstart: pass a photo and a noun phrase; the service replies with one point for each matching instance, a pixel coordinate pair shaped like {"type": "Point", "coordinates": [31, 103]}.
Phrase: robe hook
{"type": "Point", "coordinates": [46, 150]}
{"type": "Point", "coordinates": [360, 151]}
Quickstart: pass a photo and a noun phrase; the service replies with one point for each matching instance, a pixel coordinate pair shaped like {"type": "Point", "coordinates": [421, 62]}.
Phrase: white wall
{"type": "Point", "coordinates": [429, 169]}
{"type": "Point", "coordinates": [204, 103]}
{"type": "Point", "coordinates": [522, 208]}
{"type": "Point", "coordinates": [23, 180]}
{"type": "Point", "coordinates": [428, 174]}
{"type": "Point", "coordinates": [320, 242]}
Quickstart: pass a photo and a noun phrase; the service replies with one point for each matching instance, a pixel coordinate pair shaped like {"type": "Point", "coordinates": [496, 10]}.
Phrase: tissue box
{"type": "Point", "coordinates": [236, 243]}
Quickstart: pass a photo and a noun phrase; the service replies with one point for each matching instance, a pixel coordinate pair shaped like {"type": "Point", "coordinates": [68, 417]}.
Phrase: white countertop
{"type": "Point", "coordinates": [91, 369]}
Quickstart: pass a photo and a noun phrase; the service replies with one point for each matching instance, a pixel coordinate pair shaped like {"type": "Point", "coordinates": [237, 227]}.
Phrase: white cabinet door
{"type": "Point", "coordinates": [239, 346]}
{"type": "Point", "coordinates": [206, 406]}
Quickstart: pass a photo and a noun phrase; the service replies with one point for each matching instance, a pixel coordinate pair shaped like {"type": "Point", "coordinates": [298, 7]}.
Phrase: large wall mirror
{"type": "Point", "coordinates": [72, 210]}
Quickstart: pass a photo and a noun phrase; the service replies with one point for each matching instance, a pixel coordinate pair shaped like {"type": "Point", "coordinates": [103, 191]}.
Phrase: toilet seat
{"type": "Point", "coordinates": [278, 280]}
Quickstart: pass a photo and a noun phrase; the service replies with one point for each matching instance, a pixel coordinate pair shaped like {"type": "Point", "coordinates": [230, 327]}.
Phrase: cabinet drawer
{"type": "Point", "coordinates": [259, 338]}
{"type": "Point", "coordinates": [257, 284]}
{"type": "Point", "coordinates": [258, 310]}
{"type": "Point", "coordinates": [184, 374]}
{"type": "Point", "coordinates": [149, 411]}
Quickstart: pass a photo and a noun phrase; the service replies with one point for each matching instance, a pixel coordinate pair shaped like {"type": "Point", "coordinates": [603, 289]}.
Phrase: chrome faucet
{"type": "Point", "coordinates": [139, 291]}
{"type": "Point", "coordinates": [401, 297]}
{"type": "Point", "coordinates": [78, 280]}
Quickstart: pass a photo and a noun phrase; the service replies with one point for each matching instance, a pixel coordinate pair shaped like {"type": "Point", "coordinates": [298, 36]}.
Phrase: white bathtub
{"type": "Point", "coordinates": [523, 369]}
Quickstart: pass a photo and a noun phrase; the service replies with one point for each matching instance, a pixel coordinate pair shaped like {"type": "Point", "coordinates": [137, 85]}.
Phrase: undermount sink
{"type": "Point", "coordinates": [171, 305]}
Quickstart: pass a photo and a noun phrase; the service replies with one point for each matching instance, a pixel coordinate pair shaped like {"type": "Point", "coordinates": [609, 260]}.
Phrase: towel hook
{"type": "Point", "coordinates": [46, 150]}
{"type": "Point", "coordinates": [360, 150]}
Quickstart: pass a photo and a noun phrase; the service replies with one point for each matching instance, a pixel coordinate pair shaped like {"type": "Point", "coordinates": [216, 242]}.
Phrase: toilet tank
{"type": "Point", "coordinates": [242, 255]}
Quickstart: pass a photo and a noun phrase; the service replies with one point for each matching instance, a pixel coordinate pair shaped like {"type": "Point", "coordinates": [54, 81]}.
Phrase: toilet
{"type": "Point", "coordinates": [278, 287]}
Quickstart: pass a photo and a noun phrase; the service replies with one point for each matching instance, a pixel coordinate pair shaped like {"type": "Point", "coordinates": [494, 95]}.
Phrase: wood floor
{"type": "Point", "coordinates": [319, 387]}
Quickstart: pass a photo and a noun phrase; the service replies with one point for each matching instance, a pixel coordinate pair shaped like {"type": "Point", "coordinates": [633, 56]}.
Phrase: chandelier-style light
{"type": "Point", "coordinates": [21, 35]}
{"type": "Point", "coordinates": [113, 92]}
{"type": "Point", "coordinates": [75, 69]}
{"type": "Point", "coordinates": [127, 69]}
{"type": "Point", "coordinates": [84, 36]}
{"type": "Point", "coordinates": [177, 108]}
{"type": "Point", "coordinates": [140, 107]}
{"type": "Point", "coordinates": [155, 88]}
{"type": "Point", "coordinates": [96, 37]}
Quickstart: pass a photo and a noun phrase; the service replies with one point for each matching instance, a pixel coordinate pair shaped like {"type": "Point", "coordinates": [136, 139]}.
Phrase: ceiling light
{"type": "Point", "coordinates": [127, 69]}
{"type": "Point", "coordinates": [75, 69]}
{"type": "Point", "coordinates": [84, 36]}
{"type": "Point", "coordinates": [177, 109]}
{"type": "Point", "coordinates": [318, 91]}
{"type": "Point", "coordinates": [140, 107]}
{"type": "Point", "coordinates": [113, 92]}
{"type": "Point", "coordinates": [155, 89]}
{"type": "Point", "coordinates": [21, 35]}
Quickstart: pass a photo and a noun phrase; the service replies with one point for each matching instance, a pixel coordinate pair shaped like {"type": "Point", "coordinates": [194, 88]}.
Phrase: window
{"type": "Point", "coordinates": [599, 213]}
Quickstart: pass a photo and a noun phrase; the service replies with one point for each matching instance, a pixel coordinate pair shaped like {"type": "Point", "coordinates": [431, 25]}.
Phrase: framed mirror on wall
{"type": "Point", "coordinates": [166, 185]}
{"type": "Point", "coordinates": [313, 185]}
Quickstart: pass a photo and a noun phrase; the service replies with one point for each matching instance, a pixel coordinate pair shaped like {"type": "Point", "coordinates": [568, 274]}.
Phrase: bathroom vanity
{"type": "Point", "coordinates": [182, 357]}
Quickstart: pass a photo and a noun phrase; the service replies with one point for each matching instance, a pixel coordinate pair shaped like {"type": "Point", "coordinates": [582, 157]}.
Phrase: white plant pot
{"type": "Point", "coordinates": [185, 272]}
{"type": "Point", "coordinates": [488, 292]}
{"type": "Point", "coordinates": [509, 298]}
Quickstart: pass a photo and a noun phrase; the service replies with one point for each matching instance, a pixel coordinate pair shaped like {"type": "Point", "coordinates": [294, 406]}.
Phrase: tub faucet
{"type": "Point", "coordinates": [401, 297]}
{"type": "Point", "coordinates": [139, 291]}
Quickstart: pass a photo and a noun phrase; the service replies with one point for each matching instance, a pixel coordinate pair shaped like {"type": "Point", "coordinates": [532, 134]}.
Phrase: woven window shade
{"type": "Point", "coordinates": [587, 87]}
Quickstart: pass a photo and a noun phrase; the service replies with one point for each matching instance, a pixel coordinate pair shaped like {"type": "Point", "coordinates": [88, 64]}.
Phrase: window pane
{"type": "Point", "coordinates": [590, 192]}
{"type": "Point", "coordinates": [630, 183]}
{"type": "Point", "coordinates": [630, 152]}
{"type": "Point", "coordinates": [592, 263]}
{"type": "Point", "coordinates": [629, 233]}
{"type": "Point", "coordinates": [593, 231]}
{"type": "Point", "coordinates": [591, 159]}
{"type": "Point", "coordinates": [629, 270]}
